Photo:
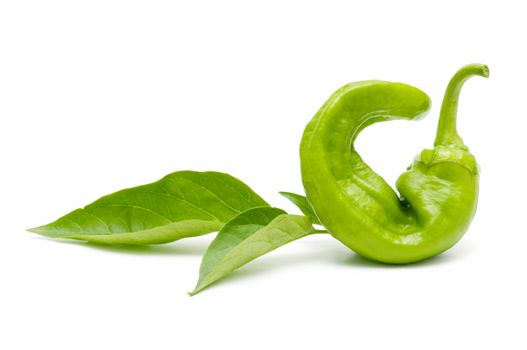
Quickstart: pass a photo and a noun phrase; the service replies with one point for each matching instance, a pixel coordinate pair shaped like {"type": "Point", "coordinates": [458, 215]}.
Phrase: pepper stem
{"type": "Point", "coordinates": [446, 129]}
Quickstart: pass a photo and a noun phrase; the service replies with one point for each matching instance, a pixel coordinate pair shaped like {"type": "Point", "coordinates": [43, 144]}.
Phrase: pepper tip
{"type": "Point", "coordinates": [485, 71]}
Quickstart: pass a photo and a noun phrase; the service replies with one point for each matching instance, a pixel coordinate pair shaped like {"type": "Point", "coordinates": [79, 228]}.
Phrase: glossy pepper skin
{"type": "Point", "coordinates": [437, 194]}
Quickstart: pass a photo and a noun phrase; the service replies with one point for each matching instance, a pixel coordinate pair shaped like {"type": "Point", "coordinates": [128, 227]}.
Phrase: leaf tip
{"type": "Point", "coordinates": [46, 232]}
{"type": "Point", "coordinates": [39, 229]}
{"type": "Point", "coordinates": [195, 291]}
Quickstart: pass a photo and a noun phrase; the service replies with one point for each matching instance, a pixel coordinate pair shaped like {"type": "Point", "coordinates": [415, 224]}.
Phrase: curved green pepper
{"type": "Point", "coordinates": [438, 192]}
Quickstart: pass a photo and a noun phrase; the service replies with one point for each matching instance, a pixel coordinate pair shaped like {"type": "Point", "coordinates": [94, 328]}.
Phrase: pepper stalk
{"type": "Point", "coordinates": [447, 134]}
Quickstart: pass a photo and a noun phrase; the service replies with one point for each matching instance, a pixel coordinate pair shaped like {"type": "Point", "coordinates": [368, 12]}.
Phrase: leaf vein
{"type": "Point", "coordinates": [136, 207]}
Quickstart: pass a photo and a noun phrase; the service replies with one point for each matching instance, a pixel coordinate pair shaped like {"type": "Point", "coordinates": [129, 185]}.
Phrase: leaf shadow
{"type": "Point", "coordinates": [194, 247]}
{"type": "Point", "coordinates": [332, 252]}
{"type": "Point", "coordinates": [326, 250]}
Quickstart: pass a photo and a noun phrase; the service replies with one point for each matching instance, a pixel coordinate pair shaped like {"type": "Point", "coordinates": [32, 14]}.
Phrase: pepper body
{"type": "Point", "coordinates": [437, 194]}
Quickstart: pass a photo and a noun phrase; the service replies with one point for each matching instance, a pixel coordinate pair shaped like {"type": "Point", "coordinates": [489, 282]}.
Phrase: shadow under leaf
{"type": "Point", "coordinates": [181, 247]}
{"type": "Point", "coordinates": [332, 252]}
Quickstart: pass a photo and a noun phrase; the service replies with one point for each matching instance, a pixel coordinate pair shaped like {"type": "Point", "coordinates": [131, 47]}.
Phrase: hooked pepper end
{"type": "Point", "coordinates": [447, 134]}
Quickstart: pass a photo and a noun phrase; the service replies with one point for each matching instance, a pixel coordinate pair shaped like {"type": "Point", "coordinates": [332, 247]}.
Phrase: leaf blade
{"type": "Point", "coordinates": [181, 204]}
{"type": "Point", "coordinates": [246, 237]}
{"type": "Point", "coordinates": [303, 204]}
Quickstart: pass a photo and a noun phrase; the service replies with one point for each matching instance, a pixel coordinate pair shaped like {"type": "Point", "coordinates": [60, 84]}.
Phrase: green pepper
{"type": "Point", "coordinates": [437, 194]}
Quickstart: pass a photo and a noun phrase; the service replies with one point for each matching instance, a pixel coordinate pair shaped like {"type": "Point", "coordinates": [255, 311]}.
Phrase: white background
{"type": "Point", "coordinates": [96, 96]}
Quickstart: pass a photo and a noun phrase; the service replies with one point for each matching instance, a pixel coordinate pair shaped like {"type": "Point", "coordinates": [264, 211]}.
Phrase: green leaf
{"type": "Point", "coordinates": [303, 204]}
{"type": "Point", "coordinates": [182, 204]}
{"type": "Point", "coordinates": [246, 237]}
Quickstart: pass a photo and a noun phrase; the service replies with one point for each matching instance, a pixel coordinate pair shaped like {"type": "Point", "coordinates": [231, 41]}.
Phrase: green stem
{"type": "Point", "coordinates": [446, 130]}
